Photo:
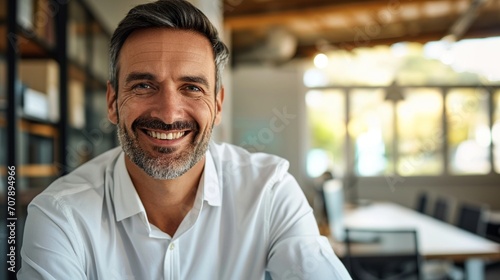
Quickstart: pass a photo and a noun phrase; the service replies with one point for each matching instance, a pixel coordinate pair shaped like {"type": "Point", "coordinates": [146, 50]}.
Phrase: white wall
{"type": "Point", "coordinates": [268, 113]}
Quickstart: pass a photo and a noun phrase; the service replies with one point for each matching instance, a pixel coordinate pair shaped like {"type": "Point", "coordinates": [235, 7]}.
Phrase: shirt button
{"type": "Point", "coordinates": [172, 246]}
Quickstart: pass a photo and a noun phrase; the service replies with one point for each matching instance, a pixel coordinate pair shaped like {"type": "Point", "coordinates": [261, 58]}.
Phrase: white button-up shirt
{"type": "Point", "coordinates": [250, 220]}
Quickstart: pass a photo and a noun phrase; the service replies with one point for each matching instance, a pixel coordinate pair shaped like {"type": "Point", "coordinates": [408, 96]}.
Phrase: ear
{"type": "Point", "coordinates": [218, 106]}
{"type": "Point", "coordinates": [111, 102]}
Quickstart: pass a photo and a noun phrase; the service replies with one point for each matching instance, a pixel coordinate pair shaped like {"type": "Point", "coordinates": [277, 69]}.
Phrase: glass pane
{"type": "Point", "coordinates": [496, 130]}
{"type": "Point", "coordinates": [469, 135]}
{"type": "Point", "coordinates": [326, 117]}
{"type": "Point", "coordinates": [371, 129]}
{"type": "Point", "coordinates": [420, 132]}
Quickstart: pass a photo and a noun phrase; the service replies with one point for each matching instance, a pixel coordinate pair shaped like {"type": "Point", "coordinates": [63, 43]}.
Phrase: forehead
{"type": "Point", "coordinates": [159, 44]}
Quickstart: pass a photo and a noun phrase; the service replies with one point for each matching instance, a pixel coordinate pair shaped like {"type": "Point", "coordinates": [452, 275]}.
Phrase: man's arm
{"type": "Point", "coordinates": [297, 251]}
{"type": "Point", "coordinates": [50, 246]}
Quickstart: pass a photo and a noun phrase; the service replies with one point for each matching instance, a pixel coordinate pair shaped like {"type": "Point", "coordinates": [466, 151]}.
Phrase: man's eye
{"type": "Point", "coordinates": [142, 86]}
{"type": "Point", "coordinates": [192, 88]}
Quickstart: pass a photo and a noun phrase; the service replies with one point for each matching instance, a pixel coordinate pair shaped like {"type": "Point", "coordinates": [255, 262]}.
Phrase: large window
{"type": "Point", "coordinates": [407, 109]}
{"type": "Point", "coordinates": [430, 131]}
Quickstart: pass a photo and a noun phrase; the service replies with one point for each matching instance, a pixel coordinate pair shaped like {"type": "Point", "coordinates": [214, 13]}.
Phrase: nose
{"type": "Point", "coordinates": [168, 106]}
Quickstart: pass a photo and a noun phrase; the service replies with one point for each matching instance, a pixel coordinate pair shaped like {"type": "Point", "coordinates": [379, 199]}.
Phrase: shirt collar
{"type": "Point", "coordinates": [127, 200]}
{"type": "Point", "coordinates": [211, 185]}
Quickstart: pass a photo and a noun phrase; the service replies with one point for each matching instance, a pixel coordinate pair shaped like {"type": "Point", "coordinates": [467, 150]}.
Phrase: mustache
{"type": "Point", "coordinates": [152, 123]}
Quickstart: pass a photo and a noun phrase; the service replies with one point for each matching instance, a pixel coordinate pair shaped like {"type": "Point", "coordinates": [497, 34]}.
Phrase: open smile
{"type": "Point", "coordinates": [166, 135]}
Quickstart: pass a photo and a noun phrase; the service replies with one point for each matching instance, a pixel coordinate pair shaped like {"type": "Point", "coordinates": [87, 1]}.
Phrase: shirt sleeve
{"type": "Point", "coordinates": [297, 251]}
{"type": "Point", "coordinates": [50, 248]}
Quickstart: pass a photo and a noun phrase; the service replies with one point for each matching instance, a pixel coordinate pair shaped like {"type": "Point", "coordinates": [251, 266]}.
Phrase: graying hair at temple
{"type": "Point", "coordinates": [177, 14]}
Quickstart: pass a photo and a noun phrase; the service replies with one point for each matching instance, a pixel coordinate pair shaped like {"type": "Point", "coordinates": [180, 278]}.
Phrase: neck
{"type": "Point", "coordinates": [167, 202]}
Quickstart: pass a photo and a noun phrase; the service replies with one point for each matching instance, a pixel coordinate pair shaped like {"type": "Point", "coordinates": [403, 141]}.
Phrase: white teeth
{"type": "Point", "coordinates": [165, 136]}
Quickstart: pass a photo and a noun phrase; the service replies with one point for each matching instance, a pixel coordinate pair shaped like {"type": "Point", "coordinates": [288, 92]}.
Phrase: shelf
{"type": "Point", "coordinates": [36, 127]}
{"type": "Point", "coordinates": [48, 130]}
{"type": "Point", "coordinates": [30, 45]}
{"type": "Point", "coordinates": [33, 170]}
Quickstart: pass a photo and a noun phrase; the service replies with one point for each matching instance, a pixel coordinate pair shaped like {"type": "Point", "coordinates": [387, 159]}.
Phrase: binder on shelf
{"type": "Point", "coordinates": [76, 104]}
{"type": "Point", "coordinates": [35, 104]}
{"type": "Point", "coordinates": [43, 76]}
{"type": "Point", "coordinates": [25, 13]}
{"type": "Point", "coordinates": [44, 24]}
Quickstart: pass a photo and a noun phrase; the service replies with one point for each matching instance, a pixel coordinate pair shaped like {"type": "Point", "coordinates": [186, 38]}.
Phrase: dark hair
{"type": "Point", "coordinates": [177, 14]}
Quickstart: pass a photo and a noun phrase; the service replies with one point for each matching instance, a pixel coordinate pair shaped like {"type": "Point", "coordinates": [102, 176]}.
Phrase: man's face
{"type": "Point", "coordinates": [166, 105]}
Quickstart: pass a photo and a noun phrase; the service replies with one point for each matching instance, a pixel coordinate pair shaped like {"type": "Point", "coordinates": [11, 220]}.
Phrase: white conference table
{"type": "Point", "coordinates": [437, 240]}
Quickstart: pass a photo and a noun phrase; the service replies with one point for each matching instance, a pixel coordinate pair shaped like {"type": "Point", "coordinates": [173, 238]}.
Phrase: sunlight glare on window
{"type": "Point", "coordinates": [314, 98]}
{"type": "Point", "coordinates": [420, 132]}
{"type": "Point", "coordinates": [483, 136]}
{"type": "Point", "coordinates": [326, 119]}
{"type": "Point", "coordinates": [467, 117]}
{"type": "Point", "coordinates": [317, 162]}
{"type": "Point", "coordinates": [315, 78]}
{"type": "Point", "coordinates": [370, 126]}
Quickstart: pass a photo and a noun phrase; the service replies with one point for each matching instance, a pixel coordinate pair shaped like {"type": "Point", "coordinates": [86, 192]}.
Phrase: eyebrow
{"type": "Point", "coordinates": [195, 79]}
{"type": "Point", "coordinates": [134, 76]}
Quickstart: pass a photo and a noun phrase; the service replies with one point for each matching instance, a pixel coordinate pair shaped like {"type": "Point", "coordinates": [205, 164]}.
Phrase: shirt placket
{"type": "Point", "coordinates": [171, 266]}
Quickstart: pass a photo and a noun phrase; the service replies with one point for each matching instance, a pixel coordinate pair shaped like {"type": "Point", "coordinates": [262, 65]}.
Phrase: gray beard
{"type": "Point", "coordinates": [165, 166]}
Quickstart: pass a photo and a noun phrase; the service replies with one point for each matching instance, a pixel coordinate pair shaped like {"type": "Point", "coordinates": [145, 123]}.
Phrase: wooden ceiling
{"type": "Point", "coordinates": [319, 25]}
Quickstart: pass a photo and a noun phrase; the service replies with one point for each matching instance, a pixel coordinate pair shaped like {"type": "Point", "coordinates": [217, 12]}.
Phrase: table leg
{"type": "Point", "coordinates": [474, 269]}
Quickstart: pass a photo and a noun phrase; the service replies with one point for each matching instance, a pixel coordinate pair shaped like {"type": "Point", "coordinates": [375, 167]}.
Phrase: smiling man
{"type": "Point", "coordinates": [169, 203]}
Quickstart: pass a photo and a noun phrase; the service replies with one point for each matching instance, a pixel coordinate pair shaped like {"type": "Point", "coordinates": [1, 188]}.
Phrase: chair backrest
{"type": "Point", "coordinates": [382, 254]}
{"type": "Point", "coordinates": [421, 203]}
{"type": "Point", "coordinates": [334, 203]}
{"type": "Point", "coordinates": [471, 218]}
{"type": "Point", "coordinates": [441, 209]}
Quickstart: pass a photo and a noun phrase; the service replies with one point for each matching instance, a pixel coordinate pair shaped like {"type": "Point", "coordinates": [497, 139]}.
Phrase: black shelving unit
{"type": "Point", "coordinates": [43, 149]}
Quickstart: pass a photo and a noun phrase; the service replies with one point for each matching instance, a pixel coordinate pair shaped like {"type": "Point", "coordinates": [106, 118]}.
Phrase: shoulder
{"type": "Point", "coordinates": [83, 184]}
{"type": "Point", "coordinates": [237, 163]}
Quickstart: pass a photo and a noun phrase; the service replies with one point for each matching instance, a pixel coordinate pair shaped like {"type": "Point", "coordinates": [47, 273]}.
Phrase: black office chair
{"type": "Point", "coordinates": [441, 209]}
{"type": "Point", "coordinates": [382, 254]}
{"type": "Point", "coordinates": [471, 218]}
{"type": "Point", "coordinates": [422, 203]}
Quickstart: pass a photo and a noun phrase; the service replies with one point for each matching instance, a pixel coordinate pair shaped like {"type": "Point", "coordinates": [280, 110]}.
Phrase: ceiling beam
{"type": "Point", "coordinates": [240, 22]}
{"type": "Point", "coordinates": [307, 51]}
